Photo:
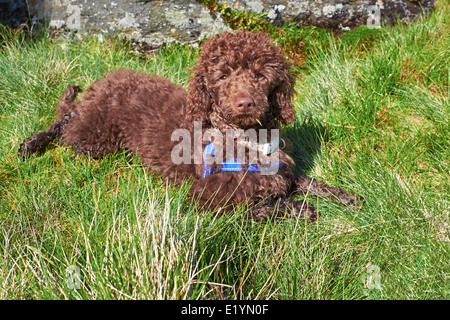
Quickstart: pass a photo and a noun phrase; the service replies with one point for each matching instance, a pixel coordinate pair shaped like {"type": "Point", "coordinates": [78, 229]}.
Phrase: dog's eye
{"type": "Point", "coordinates": [223, 77]}
{"type": "Point", "coordinates": [258, 76]}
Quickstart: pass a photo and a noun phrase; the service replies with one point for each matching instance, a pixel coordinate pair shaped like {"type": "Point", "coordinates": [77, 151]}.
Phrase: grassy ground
{"type": "Point", "coordinates": [373, 113]}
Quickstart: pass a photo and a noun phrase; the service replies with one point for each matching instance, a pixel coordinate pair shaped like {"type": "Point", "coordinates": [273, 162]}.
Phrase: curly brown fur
{"type": "Point", "coordinates": [241, 81]}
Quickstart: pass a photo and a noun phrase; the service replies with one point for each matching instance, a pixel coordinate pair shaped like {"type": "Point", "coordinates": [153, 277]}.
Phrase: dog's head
{"type": "Point", "coordinates": [241, 80]}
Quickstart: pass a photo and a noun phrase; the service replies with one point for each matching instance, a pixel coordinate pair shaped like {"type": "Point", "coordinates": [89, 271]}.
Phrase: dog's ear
{"type": "Point", "coordinates": [199, 101]}
{"type": "Point", "coordinates": [280, 98]}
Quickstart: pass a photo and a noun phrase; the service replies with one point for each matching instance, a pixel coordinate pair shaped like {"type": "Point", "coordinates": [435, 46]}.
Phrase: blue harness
{"type": "Point", "coordinates": [231, 165]}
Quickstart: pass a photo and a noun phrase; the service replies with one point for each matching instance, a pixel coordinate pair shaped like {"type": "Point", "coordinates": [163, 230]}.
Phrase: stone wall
{"type": "Point", "coordinates": [150, 21]}
{"type": "Point", "coordinates": [164, 21]}
{"type": "Point", "coordinates": [339, 15]}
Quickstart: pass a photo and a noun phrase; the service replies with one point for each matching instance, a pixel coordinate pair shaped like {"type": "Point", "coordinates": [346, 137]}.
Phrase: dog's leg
{"type": "Point", "coordinates": [304, 185]}
{"type": "Point", "coordinates": [41, 140]}
{"type": "Point", "coordinates": [283, 208]}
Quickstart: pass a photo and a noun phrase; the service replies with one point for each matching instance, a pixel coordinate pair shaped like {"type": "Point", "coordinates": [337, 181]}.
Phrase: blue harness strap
{"type": "Point", "coordinates": [231, 165]}
{"type": "Point", "coordinates": [210, 150]}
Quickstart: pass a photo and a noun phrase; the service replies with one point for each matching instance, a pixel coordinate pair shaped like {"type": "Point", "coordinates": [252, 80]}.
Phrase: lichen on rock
{"type": "Point", "coordinates": [186, 21]}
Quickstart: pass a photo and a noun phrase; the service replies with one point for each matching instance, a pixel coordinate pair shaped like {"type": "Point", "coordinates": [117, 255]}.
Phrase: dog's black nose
{"type": "Point", "coordinates": [245, 103]}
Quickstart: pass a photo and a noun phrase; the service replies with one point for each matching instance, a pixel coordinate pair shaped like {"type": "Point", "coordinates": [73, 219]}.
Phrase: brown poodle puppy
{"type": "Point", "coordinates": [241, 82]}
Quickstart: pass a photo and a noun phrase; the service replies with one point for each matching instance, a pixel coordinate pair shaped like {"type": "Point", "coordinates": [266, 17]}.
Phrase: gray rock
{"type": "Point", "coordinates": [339, 15]}
{"type": "Point", "coordinates": [151, 21]}
{"type": "Point", "coordinates": [164, 21]}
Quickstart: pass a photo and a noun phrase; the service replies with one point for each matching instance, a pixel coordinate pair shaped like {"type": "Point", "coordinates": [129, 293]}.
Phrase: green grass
{"type": "Point", "coordinates": [373, 113]}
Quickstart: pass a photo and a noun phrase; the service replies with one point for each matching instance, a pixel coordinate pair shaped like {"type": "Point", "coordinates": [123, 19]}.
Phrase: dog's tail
{"type": "Point", "coordinates": [65, 111]}
{"type": "Point", "coordinates": [66, 102]}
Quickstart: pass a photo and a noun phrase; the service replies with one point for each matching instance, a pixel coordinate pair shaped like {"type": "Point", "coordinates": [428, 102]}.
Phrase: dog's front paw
{"type": "Point", "coordinates": [305, 185]}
